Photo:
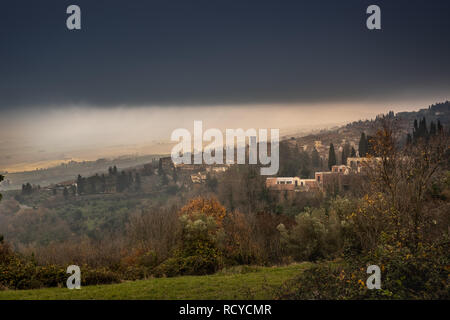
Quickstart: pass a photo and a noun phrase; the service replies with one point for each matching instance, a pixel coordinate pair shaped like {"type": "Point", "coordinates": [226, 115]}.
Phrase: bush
{"type": "Point", "coordinates": [192, 265]}
{"type": "Point", "coordinates": [98, 276]}
{"type": "Point", "coordinates": [5, 251]}
{"type": "Point", "coordinates": [198, 253]}
{"type": "Point", "coordinates": [22, 274]}
{"type": "Point", "coordinates": [326, 280]}
{"type": "Point", "coordinates": [316, 235]}
{"type": "Point", "coordinates": [404, 275]}
{"type": "Point", "coordinates": [169, 268]}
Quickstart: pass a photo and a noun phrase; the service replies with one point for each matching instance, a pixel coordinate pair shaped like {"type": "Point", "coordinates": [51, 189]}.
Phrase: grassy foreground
{"type": "Point", "coordinates": [236, 283]}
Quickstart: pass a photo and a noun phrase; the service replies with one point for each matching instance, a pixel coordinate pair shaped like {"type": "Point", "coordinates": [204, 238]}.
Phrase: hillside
{"type": "Point", "coordinates": [351, 132]}
{"type": "Point", "coordinates": [69, 170]}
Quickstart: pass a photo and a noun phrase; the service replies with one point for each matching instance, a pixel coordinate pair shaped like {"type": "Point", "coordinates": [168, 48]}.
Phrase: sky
{"type": "Point", "coordinates": [138, 69]}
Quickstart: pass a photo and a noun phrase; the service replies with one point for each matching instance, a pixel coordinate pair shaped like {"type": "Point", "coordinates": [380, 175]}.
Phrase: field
{"type": "Point", "coordinates": [235, 283]}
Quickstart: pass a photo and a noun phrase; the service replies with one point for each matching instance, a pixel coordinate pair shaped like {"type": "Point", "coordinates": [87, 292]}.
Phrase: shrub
{"type": "Point", "coordinates": [18, 273]}
{"type": "Point", "coordinates": [169, 268]}
{"type": "Point", "coordinates": [98, 276]}
{"type": "Point", "coordinates": [191, 265]}
{"type": "Point", "coordinates": [198, 253]}
{"type": "Point", "coordinates": [5, 251]}
{"type": "Point", "coordinates": [315, 235]}
{"type": "Point", "coordinates": [404, 275]}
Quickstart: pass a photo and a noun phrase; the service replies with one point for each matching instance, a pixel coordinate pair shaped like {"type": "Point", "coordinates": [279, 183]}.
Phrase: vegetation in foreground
{"type": "Point", "coordinates": [243, 282]}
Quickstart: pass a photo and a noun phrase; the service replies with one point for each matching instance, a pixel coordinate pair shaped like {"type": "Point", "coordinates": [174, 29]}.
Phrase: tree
{"type": "Point", "coordinates": [353, 153]}
{"type": "Point", "coordinates": [400, 184]}
{"type": "Point", "coordinates": [1, 179]}
{"type": "Point", "coordinates": [345, 153]}
{"type": "Point", "coordinates": [408, 139]}
{"type": "Point", "coordinates": [80, 184]}
{"type": "Point", "coordinates": [211, 182]}
{"type": "Point", "coordinates": [122, 181]}
{"type": "Point", "coordinates": [315, 158]}
{"type": "Point", "coordinates": [432, 129]}
{"type": "Point", "coordinates": [175, 174]}
{"type": "Point", "coordinates": [65, 193]}
{"type": "Point", "coordinates": [370, 147]}
{"type": "Point", "coordinates": [439, 126]}
{"type": "Point", "coordinates": [164, 179]}
{"type": "Point", "coordinates": [207, 206]}
{"type": "Point", "coordinates": [27, 189]}
{"type": "Point", "coordinates": [102, 183]}
{"type": "Point", "coordinates": [363, 145]}
{"type": "Point", "coordinates": [137, 181]}
{"type": "Point", "coordinates": [331, 157]}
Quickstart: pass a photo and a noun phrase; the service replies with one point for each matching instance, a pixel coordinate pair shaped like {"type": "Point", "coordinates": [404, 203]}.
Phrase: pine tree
{"type": "Point", "coordinates": [331, 157]}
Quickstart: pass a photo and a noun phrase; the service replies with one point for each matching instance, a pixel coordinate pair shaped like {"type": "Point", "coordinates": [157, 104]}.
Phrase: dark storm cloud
{"type": "Point", "coordinates": [219, 52]}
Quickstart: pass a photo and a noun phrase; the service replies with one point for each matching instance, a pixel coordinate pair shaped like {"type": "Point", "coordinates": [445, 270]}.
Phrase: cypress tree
{"type": "Point", "coordinates": [315, 158]}
{"type": "Point", "coordinates": [439, 126]}
{"type": "Point", "coordinates": [363, 147]}
{"type": "Point", "coordinates": [331, 157]}
{"type": "Point", "coordinates": [432, 129]}
{"type": "Point", "coordinates": [345, 153]}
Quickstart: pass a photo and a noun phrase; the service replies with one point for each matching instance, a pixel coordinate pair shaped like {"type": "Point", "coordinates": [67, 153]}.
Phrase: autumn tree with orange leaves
{"type": "Point", "coordinates": [209, 207]}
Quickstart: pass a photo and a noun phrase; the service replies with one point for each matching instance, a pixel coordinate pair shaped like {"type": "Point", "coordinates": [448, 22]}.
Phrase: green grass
{"type": "Point", "coordinates": [235, 283]}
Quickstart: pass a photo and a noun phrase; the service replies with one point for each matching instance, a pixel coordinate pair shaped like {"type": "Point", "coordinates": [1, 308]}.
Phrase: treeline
{"type": "Point", "coordinates": [421, 131]}
{"type": "Point", "coordinates": [114, 181]}
{"type": "Point", "coordinates": [295, 162]}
